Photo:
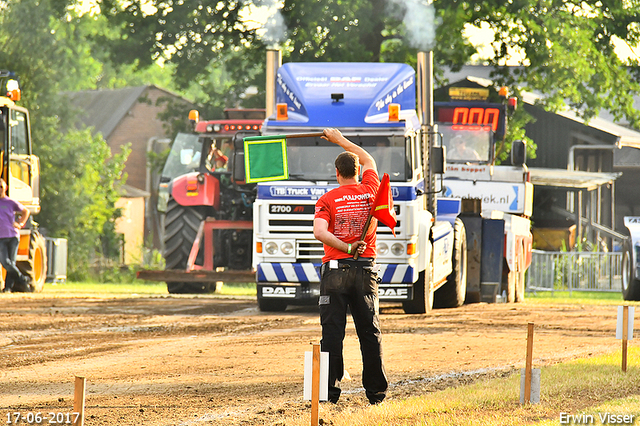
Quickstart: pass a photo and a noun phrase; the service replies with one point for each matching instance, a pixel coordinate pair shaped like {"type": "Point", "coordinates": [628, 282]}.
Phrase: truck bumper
{"type": "Point", "coordinates": [299, 283]}
{"type": "Point", "coordinates": [293, 293]}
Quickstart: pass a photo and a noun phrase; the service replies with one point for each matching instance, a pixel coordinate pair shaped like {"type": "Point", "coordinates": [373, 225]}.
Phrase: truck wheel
{"type": "Point", "coordinates": [453, 292]}
{"type": "Point", "coordinates": [190, 288]}
{"type": "Point", "coordinates": [180, 230]}
{"type": "Point", "coordinates": [36, 266]}
{"type": "Point", "coordinates": [422, 297]}
{"type": "Point", "coordinates": [269, 305]}
{"type": "Point", "coordinates": [630, 285]}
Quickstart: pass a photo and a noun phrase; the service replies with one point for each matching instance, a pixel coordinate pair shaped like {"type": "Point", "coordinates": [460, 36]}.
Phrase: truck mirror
{"type": "Point", "coordinates": [518, 153]}
{"type": "Point", "coordinates": [238, 167]}
{"type": "Point", "coordinates": [237, 158]}
{"type": "Point", "coordinates": [437, 159]}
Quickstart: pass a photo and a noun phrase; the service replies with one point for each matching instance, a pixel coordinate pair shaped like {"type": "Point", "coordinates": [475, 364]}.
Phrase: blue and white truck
{"type": "Point", "coordinates": [444, 254]}
{"type": "Point", "coordinates": [373, 105]}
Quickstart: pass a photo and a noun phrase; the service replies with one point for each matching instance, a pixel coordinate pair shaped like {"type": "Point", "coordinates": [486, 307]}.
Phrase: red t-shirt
{"type": "Point", "coordinates": [346, 209]}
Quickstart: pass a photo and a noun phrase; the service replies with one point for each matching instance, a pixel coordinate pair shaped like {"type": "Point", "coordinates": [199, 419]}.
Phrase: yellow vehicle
{"type": "Point", "coordinates": [21, 170]}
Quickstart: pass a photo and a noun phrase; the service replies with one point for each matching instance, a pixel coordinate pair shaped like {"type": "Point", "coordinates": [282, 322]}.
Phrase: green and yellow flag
{"type": "Point", "coordinates": [265, 158]}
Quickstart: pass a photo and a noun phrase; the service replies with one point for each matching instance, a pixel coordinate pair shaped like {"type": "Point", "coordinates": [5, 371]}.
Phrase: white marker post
{"type": "Point", "coordinates": [78, 400]}
{"type": "Point", "coordinates": [316, 380]}
{"type": "Point", "coordinates": [530, 382]}
{"type": "Point", "coordinates": [624, 330]}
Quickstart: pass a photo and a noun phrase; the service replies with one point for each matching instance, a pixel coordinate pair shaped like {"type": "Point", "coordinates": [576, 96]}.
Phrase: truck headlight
{"type": "Point", "coordinates": [286, 248]}
{"type": "Point", "coordinates": [383, 248]}
{"type": "Point", "coordinates": [397, 249]}
{"type": "Point", "coordinates": [271, 247]}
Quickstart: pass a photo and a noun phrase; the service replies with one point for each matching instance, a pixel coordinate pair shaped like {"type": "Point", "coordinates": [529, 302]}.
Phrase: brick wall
{"type": "Point", "coordinates": [136, 128]}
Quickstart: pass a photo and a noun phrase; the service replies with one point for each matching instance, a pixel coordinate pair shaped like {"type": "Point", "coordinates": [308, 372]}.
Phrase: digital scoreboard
{"type": "Point", "coordinates": [465, 113]}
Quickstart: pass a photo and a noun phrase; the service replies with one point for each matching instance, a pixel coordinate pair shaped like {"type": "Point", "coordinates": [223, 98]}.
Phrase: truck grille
{"type": "Point", "coordinates": [305, 227]}
{"type": "Point", "coordinates": [291, 226]}
{"type": "Point", "coordinates": [309, 251]}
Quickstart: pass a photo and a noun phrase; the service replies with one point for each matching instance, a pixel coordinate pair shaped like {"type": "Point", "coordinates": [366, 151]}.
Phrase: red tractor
{"type": "Point", "coordinates": [208, 209]}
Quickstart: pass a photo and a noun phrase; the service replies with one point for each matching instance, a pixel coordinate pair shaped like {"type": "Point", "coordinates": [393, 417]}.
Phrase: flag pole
{"type": "Point", "coordinates": [364, 234]}
{"type": "Point", "coordinates": [305, 135]}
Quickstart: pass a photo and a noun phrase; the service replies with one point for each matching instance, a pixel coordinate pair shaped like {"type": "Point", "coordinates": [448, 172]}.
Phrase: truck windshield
{"type": "Point", "coordinates": [467, 144]}
{"type": "Point", "coordinates": [313, 158]}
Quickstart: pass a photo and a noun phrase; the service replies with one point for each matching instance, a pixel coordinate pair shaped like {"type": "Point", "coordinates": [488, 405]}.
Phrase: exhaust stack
{"type": "Point", "coordinates": [274, 61]}
{"type": "Point", "coordinates": [425, 110]}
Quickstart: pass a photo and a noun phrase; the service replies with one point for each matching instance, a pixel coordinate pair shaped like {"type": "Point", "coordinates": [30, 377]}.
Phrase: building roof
{"type": "Point", "coordinates": [570, 179]}
{"type": "Point", "coordinates": [626, 137]}
{"type": "Point", "coordinates": [128, 191]}
{"type": "Point", "coordinates": [103, 110]}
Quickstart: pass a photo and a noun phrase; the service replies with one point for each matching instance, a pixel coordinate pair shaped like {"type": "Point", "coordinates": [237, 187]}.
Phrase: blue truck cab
{"type": "Point", "coordinates": [355, 98]}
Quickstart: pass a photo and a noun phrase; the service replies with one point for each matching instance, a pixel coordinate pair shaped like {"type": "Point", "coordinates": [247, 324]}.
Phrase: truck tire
{"type": "Point", "coordinates": [453, 292]}
{"type": "Point", "coordinates": [630, 285]}
{"type": "Point", "coordinates": [269, 305]}
{"type": "Point", "coordinates": [180, 230]}
{"type": "Point", "coordinates": [422, 297]}
{"type": "Point", "coordinates": [36, 266]}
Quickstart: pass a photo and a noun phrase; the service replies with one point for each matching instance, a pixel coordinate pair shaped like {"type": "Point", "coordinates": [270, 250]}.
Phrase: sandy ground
{"type": "Point", "coordinates": [211, 360]}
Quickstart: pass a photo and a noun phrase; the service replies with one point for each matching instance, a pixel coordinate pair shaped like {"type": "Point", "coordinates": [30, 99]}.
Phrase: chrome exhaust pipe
{"type": "Point", "coordinates": [274, 61]}
{"type": "Point", "coordinates": [424, 82]}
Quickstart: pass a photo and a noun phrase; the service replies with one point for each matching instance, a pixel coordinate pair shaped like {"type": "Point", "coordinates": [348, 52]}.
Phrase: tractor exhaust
{"type": "Point", "coordinates": [274, 61]}
{"type": "Point", "coordinates": [424, 71]}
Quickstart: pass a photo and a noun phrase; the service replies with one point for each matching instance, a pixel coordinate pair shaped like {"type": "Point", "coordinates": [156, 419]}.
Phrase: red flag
{"type": "Point", "coordinates": [382, 208]}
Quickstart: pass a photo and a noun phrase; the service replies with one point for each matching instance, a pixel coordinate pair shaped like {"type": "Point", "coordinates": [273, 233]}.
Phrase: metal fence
{"type": "Point", "coordinates": [575, 271]}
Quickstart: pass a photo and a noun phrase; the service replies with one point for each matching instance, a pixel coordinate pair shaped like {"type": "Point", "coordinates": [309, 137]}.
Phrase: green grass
{"type": "Point", "coordinates": [587, 387]}
{"type": "Point", "coordinates": [575, 297]}
{"type": "Point", "coordinates": [249, 289]}
{"type": "Point", "coordinates": [146, 288]}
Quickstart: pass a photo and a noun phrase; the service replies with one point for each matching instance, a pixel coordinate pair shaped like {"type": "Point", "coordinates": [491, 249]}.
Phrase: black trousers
{"type": "Point", "coordinates": [352, 285]}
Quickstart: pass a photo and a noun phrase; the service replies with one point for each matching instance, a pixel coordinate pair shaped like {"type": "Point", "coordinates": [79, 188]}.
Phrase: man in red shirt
{"type": "Point", "coordinates": [340, 217]}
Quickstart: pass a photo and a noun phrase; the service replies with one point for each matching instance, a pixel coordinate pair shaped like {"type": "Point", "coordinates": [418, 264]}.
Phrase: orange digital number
{"type": "Point", "coordinates": [479, 116]}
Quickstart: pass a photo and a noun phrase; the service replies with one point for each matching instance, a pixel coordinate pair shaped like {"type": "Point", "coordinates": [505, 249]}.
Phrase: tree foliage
{"type": "Point", "coordinates": [568, 50]}
{"type": "Point", "coordinates": [45, 45]}
{"type": "Point", "coordinates": [567, 46]}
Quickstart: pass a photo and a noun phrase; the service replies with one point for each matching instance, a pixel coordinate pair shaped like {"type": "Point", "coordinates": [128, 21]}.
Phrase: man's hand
{"type": "Point", "coordinates": [332, 135]}
{"type": "Point", "coordinates": [358, 247]}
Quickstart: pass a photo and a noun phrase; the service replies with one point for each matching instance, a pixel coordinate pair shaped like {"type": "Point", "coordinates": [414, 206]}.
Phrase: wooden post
{"type": "Point", "coordinates": [625, 337]}
{"type": "Point", "coordinates": [527, 370]}
{"type": "Point", "coordinates": [315, 385]}
{"type": "Point", "coordinates": [78, 400]}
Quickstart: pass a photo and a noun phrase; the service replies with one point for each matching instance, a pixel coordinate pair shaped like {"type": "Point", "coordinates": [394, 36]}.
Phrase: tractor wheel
{"type": "Point", "coordinates": [36, 266]}
{"type": "Point", "coordinates": [180, 230]}
{"type": "Point", "coordinates": [453, 292]}
{"type": "Point", "coordinates": [630, 285]}
{"type": "Point", "coordinates": [422, 301]}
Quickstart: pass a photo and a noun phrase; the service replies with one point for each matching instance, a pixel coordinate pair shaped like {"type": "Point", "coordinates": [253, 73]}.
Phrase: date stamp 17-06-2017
{"type": "Point", "coordinates": [40, 418]}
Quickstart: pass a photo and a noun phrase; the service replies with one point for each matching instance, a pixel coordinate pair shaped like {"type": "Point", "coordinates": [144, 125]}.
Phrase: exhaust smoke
{"type": "Point", "coordinates": [419, 18]}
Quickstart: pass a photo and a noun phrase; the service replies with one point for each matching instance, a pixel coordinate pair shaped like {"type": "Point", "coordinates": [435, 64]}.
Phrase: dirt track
{"type": "Point", "coordinates": [212, 360]}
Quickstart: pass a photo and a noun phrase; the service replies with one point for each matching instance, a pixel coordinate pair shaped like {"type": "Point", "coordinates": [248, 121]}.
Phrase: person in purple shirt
{"type": "Point", "coordinates": [13, 216]}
